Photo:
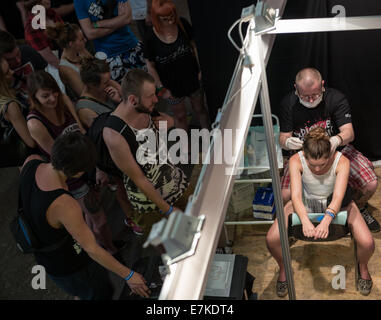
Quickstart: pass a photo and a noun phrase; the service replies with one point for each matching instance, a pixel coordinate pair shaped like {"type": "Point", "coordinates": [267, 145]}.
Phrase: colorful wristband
{"type": "Point", "coordinates": [330, 214]}
{"type": "Point", "coordinates": [95, 24]}
{"type": "Point", "coordinates": [130, 275]}
{"type": "Point", "coordinates": [330, 209]}
{"type": "Point", "coordinates": [168, 212]}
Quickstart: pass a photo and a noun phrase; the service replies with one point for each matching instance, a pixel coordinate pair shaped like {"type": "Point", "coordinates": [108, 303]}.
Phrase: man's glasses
{"type": "Point", "coordinates": [310, 97]}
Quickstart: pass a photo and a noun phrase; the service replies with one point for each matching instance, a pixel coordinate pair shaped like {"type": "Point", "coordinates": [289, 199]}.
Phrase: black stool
{"type": "Point", "coordinates": [337, 229]}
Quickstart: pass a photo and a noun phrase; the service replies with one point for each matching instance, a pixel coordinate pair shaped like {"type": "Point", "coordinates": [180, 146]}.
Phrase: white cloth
{"type": "Point", "coordinates": [64, 62]}
{"type": "Point", "coordinates": [139, 9]}
{"type": "Point", "coordinates": [56, 75]}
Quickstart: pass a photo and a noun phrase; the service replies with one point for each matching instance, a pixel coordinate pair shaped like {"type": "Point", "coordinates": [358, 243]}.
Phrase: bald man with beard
{"type": "Point", "coordinates": [312, 104]}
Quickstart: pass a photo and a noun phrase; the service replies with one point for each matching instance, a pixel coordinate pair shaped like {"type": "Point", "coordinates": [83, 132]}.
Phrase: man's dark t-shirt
{"type": "Point", "coordinates": [333, 112]}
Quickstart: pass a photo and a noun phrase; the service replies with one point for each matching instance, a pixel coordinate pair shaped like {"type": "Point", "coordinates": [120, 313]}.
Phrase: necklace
{"type": "Point", "coordinates": [71, 61]}
{"type": "Point", "coordinates": [77, 57]}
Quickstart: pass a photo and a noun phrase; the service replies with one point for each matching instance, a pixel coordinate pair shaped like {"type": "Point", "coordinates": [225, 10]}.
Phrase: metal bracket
{"type": "Point", "coordinates": [176, 237]}
{"type": "Point", "coordinates": [265, 18]}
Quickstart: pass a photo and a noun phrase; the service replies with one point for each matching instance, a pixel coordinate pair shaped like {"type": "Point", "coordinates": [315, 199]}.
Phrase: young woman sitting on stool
{"type": "Point", "coordinates": [315, 175]}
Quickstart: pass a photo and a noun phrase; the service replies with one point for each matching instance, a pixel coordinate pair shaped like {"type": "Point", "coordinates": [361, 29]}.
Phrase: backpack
{"type": "Point", "coordinates": [23, 234]}
{"type": "Point", "coordinates": [95, 133]}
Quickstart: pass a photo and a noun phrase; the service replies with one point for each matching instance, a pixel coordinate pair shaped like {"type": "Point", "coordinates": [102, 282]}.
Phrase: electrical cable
{"type": "Point", "coordinates": [243, 53]}
{"type": "Point", "coordinates": [229, 35]}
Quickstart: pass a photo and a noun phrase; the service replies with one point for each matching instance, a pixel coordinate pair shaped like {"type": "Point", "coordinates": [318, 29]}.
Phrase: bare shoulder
{"type": "Point", "coordinates": [295, 163]}
{"type": "Point", "coordinates": [13, 112]}
{"type": "Point", "coordinates": [295, 159]}
{"type": "Point", "coordinates": [68, 71]}
{"type": "Point", "coordinates": [65, 206]}
{"type": "Point", "coordinates": [66, 202]}
{"type": "Point", "coordinates": [65, 210]}
{"type": "Point", "coordinates": [13, 106]}
{"type": "Point", "coordinates": [112, 137]}
{"type": "Point", "coordinates": [34, 124]}
{"type": "Point", "coordinates": [30, 158]}
{"type": "Point", "coordinates": [343, 159]}
{"type": "Point", "coordinates": [343, 162]}
{"type": "Point", "coordinates": [63, 68]}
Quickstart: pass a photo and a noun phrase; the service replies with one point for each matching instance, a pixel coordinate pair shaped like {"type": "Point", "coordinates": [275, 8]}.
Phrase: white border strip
{"type": "Point", "coordinates": [327, 24]}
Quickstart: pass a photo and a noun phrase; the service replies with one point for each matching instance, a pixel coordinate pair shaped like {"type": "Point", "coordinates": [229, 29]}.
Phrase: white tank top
{"type": "Point", "coordinates": [64, 62]}
{"type": "Point", "coordinates": [317, 188]}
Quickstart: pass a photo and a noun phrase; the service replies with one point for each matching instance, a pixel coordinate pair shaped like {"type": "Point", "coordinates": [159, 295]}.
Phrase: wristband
{"type": "Point", "coordinates": [330, 214]}
{"type": "Point", "coordinates": [130, 275]}
{"type": "Point", "coordinates": [95, 24]}
{"type": "Point", "coordinates": [168, 212]}
{"type": "Point", "coordinates": [333, 211]}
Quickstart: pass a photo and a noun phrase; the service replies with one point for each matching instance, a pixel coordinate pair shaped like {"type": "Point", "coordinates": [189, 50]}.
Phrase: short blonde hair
{"type": "Point", "coordinates": [313, 75]}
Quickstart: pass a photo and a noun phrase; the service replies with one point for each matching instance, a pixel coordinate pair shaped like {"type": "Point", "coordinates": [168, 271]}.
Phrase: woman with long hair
{"type": "Point", "coordinates": [171, 58]}
{"type": "Point", "coordinates": [71, 40]}
{"type": "Point", "coordinates": [12, 111]}
{"type": "Point", "coordinates": [319, 182]}
{"type": "Point", "coordinates": [49, 118]}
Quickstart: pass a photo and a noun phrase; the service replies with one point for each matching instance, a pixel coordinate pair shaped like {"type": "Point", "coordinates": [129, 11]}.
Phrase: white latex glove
{"type": "Point", "coordinates": [335, 142]}
{"type": "Point", "coordinates": [293, 143]}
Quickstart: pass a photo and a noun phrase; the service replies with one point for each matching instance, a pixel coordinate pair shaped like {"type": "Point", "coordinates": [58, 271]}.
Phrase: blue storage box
{"type": "Point", "coordinates": [263, 204]}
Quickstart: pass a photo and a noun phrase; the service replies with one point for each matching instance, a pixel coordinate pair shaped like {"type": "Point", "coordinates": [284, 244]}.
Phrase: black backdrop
{"type": "Point", "coordinates": [349, 61]}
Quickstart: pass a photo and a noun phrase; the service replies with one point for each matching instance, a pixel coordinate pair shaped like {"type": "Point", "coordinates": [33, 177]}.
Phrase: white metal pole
{"type": "Point", "coordinates": [269, 134]}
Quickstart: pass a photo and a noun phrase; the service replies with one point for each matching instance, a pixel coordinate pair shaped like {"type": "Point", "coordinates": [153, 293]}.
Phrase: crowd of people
{"type": "Point", "coordinates": [57, 83]}
{"type": "Point", "coordinates": [54, 83]}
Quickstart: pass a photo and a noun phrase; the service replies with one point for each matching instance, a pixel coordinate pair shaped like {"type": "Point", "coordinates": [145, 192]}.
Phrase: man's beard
{"type": "Point", "coordinates": [142, 109]}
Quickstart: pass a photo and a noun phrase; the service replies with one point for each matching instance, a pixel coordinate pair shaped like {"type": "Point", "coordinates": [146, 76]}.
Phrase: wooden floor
{"type": "Point", "coordinates": [312, 263]}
